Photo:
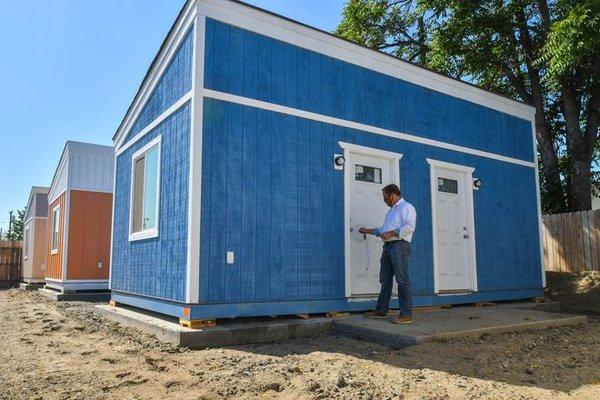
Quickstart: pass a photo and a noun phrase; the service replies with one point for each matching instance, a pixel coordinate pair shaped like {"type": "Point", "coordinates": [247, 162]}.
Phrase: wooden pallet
{"type": "Point", "coordinates": [484, 304]}
{"type": "Point", "coordinates": [197, 323]}
{"type": "Point", "coordinates": [336, 314]}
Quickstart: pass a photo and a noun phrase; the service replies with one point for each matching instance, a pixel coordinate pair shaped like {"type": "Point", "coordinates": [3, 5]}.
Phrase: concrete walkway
{"type": "Point", "coordinates": [457, 322]}
{"type": "Point", "coordinates": [463, 321]}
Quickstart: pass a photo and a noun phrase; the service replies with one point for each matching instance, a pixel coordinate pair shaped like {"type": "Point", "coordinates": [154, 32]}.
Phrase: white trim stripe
{"type": "Point", "coordinates": [359, 126]}
{"type": "Point", "coordinates": [176, 106]}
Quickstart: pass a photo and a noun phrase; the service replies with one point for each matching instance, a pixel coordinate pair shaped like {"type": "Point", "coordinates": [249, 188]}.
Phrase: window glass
{"type": "Point", "coordinates": [145, 176]}
{"type": "Point", "coordinates": [447, 185]}
{"type": "Point", "coordinates": [55, 221]}
{"type": "Point", "coordinates": [365, 173]}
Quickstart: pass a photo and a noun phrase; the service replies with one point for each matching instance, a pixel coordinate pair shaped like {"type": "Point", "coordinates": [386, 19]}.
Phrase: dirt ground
{"type": "Point", "coordinates": [66, 351]}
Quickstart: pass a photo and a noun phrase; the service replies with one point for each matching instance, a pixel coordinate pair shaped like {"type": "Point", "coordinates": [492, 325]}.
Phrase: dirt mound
{"type": "Point", "coordinates": [576, 292]}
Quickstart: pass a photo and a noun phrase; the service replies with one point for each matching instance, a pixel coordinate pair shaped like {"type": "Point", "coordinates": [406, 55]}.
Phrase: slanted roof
{"type": "Point", "coordinates": [83, 166]}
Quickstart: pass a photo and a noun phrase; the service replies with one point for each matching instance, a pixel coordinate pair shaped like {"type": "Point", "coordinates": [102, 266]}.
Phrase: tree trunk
{"type": "Point", "coordinates": [580, 190]}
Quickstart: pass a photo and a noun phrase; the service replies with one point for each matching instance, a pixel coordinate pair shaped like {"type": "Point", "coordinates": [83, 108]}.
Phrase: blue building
{"type": "Point", "coordinates": [256, 146]}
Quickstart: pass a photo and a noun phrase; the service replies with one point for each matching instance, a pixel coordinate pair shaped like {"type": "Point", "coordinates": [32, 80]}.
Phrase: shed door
{"type": "Point", "coordinates": [454, 239]}
{"type": "Point", "coordinates": [369, 174]}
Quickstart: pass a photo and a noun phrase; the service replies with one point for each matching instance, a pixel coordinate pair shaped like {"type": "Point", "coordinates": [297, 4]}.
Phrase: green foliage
{"type": "Point", "coordinates": [16, 231]}
{"type": "Point", "coordinates": [543, 52]}
{"type": "Point", "coordinates": [573, 42]}
{"type": "Point", "coordinates": [398, 27]}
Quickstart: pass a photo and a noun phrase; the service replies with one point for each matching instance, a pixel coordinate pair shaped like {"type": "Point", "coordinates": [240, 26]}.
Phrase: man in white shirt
{"type": "Point", "coordinates": [396, 232]}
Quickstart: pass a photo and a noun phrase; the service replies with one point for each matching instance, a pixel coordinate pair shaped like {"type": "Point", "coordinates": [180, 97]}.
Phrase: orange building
{"type": "Point", "coordinates": [79, 219]}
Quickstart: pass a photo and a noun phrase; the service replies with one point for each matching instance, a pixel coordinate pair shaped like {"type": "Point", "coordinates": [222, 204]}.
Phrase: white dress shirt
{"type": "Point", "coordinates": [402, 218]}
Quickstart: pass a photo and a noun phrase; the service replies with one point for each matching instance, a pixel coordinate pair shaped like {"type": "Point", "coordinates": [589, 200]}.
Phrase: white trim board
{"type": "Point", "coordinates": [192, 286]}
{"type": "Point", "coordinates": [166, 114]}
{"type": "Point", "coordinates": [171, 44]}
{"type": "Point", "coordinates": [359, 126]}
{"type": "Point", "coordinates": [539, 205]}
{"type": "Point", "coordinates": [277, 27]}
{"type": "Point", "coordinates": [349, 149]}
{"type": "Point", "coordinates": [468, 171]}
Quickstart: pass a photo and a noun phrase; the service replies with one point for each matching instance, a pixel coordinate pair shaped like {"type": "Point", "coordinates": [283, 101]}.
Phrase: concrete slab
{"type": "Point", "coordinates": [29, 286]}
{"type": "Point", "coordinates": [226, 333]}
{"type": "Point", "coordinates": [92, 296]}
{"type": "Point", "coordinates": [464, 321]}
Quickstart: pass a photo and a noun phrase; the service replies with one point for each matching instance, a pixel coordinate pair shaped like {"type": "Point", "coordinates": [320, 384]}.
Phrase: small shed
{"type": "Point", "coordinates": [79, 219]}
{"type": "Point", "coordinates": [256, 146]}
{"type": "Point", "coordinates": [34, 235]}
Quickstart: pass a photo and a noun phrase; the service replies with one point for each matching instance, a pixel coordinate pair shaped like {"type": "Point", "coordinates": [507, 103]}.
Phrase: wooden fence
{"type": "Point", "coordinates": [10, 263]}
{"type": "Point", "coordinates": [572, 241]}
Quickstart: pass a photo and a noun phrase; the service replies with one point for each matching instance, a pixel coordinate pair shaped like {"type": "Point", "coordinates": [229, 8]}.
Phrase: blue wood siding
{"type": "Point", "coordinates": [155, 267]}
{"type": "Point", "coordinates": [173, 84]}
{"type": "Point", "coordinates": [247, 64]}
{"type": "Point", "coordinates": [271, 195]}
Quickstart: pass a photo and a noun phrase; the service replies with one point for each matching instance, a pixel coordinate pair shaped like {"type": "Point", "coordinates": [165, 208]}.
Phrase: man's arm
{"type": "Point", "coordinates": [409, 221]}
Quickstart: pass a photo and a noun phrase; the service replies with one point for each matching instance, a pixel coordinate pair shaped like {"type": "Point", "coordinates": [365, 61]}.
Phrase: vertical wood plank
{"type": "Point", "coordinates": [545, 242]}
{"type": "Point", "coordinates": [597, 238]}
{"type": "Point", "coordinates": [579, 238]}
{"type": "Point", "coordinates": [585, 227]}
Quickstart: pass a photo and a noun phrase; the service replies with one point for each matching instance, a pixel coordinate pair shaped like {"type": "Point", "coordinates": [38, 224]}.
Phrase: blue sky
{"type": "Point", "coordinates": [70, 69]}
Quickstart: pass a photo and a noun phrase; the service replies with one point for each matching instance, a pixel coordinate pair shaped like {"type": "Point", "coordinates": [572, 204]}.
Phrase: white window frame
{"type": "Point", "coordinates": [26, 241]}
{"type": "Point", "coordinates": [55, 219]}
{"type": "Point", "coordinates": [151, 232]}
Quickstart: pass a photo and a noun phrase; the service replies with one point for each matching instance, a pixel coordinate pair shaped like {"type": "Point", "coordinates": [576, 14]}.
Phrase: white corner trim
{"type": "Point", "coordinates": [195, 175]}
{"type": "Point", "coordinates": [359, 126]}
{"type": "Point", "coordinates": [163, 59]}
{"type": "Point", "coordinates": [539, 205]}
{"type": "Point", "coordinates": [66, 215]}
{"type": "Point", "coordinates": [349, 150]}
{"type": "Point", "coordinates": [279, 28]}
{"type": "Point", "coordinates": [433, 164]}
{"type": "Point", "coordinates": [176, 106]}
{"type": "Point", "coordinates": [152, 232]}
{"type": "Point", "coordinates": [112, 224]}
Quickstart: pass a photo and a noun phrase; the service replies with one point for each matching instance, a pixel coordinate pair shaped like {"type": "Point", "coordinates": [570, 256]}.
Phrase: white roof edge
{"type": "Point", "coordinates": [275, 26]}
{"type": "Point", "coordinates": [284, 29]}
{"type": "Point", "coordinates": [72, 146]}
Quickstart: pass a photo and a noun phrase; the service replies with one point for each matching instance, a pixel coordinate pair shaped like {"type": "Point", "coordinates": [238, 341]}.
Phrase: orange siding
{"type": "Point", "coordinates": [54, 261]}
{"type": "Point", "coordinates": [89, 235]}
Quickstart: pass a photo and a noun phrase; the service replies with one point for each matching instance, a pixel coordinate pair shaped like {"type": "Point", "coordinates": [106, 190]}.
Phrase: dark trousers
{"type": "Point", "coordinates": [394, 263]}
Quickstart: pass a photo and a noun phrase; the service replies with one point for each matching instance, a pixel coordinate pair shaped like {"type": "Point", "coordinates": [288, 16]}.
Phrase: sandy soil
{"type": "Point", "coordinates": [66, 351]}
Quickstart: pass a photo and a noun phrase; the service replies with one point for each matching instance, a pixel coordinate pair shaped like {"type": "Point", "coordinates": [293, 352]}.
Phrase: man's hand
{"type": "Point", "coordinates": [388, 235]}
{"type": "Point", "coordinates": [366, 231]}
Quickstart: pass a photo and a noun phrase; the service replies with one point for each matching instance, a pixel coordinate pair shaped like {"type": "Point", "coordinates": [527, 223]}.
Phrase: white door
{"type": "Point", "coordinates": [368, 175]}
{"type": "Point", "coordinates": [454, 240]}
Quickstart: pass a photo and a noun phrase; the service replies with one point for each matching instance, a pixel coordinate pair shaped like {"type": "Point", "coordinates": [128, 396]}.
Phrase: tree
{"type": "Point", "coordinates": [545, 53]}
{"type": "Point", "coordinates": [16, 227]}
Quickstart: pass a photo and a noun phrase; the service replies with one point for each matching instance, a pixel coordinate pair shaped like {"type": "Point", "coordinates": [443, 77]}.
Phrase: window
{"type": "Point", "coordinates": [26, 243]}
{"type": "Point", "coordinates": [365, 173]}
{"type": "Point", "coordinates": [145, 188]}
{"type": "Point", "coordinates": [447, 185]}
{"type": "Point", "coordinates": [55, 224]}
